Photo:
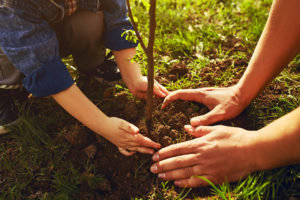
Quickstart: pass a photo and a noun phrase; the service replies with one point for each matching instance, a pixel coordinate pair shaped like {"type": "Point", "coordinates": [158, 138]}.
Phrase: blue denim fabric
{"type": "Point", "coordinates": [31, 45]}
{"type": "Point", "coordinates": [58, 80]}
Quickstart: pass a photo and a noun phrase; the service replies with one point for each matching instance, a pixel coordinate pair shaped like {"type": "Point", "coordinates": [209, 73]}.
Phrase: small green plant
{"type": "Point", "coordinates": [165, 187]}
{"type": "Point", "coordinates": [169, 193]}
{"type": "Point", "coordinates": [67, 189]}
{"type": "Point", "coordinates": [90, 177]}
{"type": "Point", "coordinates": [136, 171]}
{"type": "Point", "coordinates": [195, 107]}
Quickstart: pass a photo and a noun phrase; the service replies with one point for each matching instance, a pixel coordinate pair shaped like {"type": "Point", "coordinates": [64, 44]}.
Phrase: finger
{"type": "Point", "coordinates": [186, 95]}
{"type": "Point", "coordinates": [199, 131]}
{"type": "Point", "coordinates": [142, 150]}
{"type": "Point", "coordinates": [175, 163]}
{"type": "Point", "coordinates": [139, 140]}
{"type": "Point", "coordinates": [157, 91]}
{"type": "Point", "coordinates": [176, 150]}
{"type": "Point", "coordinates": [162, 88]}
{"type": "Point", "coordinates": [125, 152]}
{"type": "Point", "coordinates": [194, 182]}
{"type": "Point", "coordinates": [182, 173]}
{"type": "Point", "coordinates": [146, 142]}
{"type": "Point", "coordinates": [130, 128]}
{"type": "Point", "coordinates": [209, 118]}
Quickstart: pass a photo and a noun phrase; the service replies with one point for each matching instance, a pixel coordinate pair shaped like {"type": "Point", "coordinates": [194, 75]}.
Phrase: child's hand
{"type": "Point", "coordinates": [140, 91]}
{"type": "Point", "coordinates": [132, 76]}
{"type": "Point", "coordinates": [127, 138]}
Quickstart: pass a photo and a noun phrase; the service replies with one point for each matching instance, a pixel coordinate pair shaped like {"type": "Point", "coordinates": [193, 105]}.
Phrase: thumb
{"type": "Point", "coordinates": [209, 118]}
{"type": "Point", "coordinates": [199, 130]}
{"type": "Point", "coordinates": [130, 128]}
{"type": "Point", "coordinates": [158, 91]}
{"type": "Point", "coordinates": [125, 152]}
{"type": "Point", "coordinates": [162, 88]}
{"type": "Point", "coordinates": [186, 95]}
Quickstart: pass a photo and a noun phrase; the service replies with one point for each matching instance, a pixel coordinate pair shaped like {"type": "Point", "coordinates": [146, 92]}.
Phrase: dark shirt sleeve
{"type": "Point", "coordinates": [115, 13]}
{"type": "Point", "coordinates": [32, 47]}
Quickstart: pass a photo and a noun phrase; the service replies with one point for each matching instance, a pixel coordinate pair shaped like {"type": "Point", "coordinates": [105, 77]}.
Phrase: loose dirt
{"type": "Point", "coordinates": [128, 177]}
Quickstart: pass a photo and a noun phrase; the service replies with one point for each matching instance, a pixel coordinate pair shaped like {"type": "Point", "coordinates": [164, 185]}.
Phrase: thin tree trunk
{"type": "Point", "coordinates": [149, 52]}
{"type": "Point", "coordinates": [151, 60]}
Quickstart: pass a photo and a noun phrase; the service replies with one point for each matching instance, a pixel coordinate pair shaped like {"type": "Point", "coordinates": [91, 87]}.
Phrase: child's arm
{"type": "Point", "coordinates": [123, 134]}
{"type": "Point", "coordinates": [132, 76]}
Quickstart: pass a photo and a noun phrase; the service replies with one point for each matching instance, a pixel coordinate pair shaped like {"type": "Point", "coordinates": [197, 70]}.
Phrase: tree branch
{"type": "Point", "coordinates": [135, 28]}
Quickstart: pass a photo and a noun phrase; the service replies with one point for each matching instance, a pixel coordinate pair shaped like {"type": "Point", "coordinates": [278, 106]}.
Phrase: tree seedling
{"type": "Point", "coordinates": [149, 52]}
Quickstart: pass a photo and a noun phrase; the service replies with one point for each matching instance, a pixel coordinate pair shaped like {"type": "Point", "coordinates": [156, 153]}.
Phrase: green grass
{"type": "Point", "coordinates": [186, 29]}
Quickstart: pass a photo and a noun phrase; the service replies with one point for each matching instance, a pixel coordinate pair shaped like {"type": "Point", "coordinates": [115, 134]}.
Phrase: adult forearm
{"type": "Point", "coordinates": [278, 45]}
{"type": "Point", "coordinates": [80, 107]}
{"type": "Point", "coordinates": [277, 144]}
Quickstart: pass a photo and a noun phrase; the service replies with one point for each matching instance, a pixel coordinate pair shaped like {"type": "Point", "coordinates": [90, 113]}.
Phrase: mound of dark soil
{"type": "Point", "coordinates": [130, 176]}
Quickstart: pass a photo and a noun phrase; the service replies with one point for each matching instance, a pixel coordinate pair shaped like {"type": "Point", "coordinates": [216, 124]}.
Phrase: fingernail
{"type": "Point", "coordinates": [158, 146]}
{"type": "Point", "coordinates": [151, 152]}
{"type": "Point", "coordinates": [156, 157]}
{"type": "Point", "coordinates": [178, 183]}
{"type": "Point", "coordinates": [162, 175]}
{"type": "Point", "coordinates": [154, 168]}
{"type": "Point", "coordinates": [189, 128]}
{"type": "Point", "coordinates": [195, 121]}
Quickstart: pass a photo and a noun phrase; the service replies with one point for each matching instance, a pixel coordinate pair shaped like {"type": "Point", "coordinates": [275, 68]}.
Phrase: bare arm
{"type": "Point", "coordinates": [80, 107]}
{"type": "Point", "coordinates": [132, 76]}
{"type": "Point", "coordinates": [222, 152]}
{"type": "Point", "coordinates": [277, 144]}
{"type": "Point", "coordinates": [123, 134]}
{"type": "Point", "coordinates": [278, 45]}
{"type": "Point", "coordinates": [131, 73]}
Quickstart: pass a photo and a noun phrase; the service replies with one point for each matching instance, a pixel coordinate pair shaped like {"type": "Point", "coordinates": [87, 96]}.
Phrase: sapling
{"type": "Point", "coordinates": [149, 52]}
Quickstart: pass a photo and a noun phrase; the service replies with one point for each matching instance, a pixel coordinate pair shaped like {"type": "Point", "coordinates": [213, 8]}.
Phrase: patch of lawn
{"type": "Point", "coordinates": [199, 33]}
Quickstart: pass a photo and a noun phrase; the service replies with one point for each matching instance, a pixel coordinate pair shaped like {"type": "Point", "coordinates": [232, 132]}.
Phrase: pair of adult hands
{"type": "Point", "coordinates": [219, 153]}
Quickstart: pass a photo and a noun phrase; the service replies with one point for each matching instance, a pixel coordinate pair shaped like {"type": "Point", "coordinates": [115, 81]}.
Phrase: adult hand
{"type": "Point", "coordinates": [223, 103]}
{"type": "Point", "coordinates": [222, 154]}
